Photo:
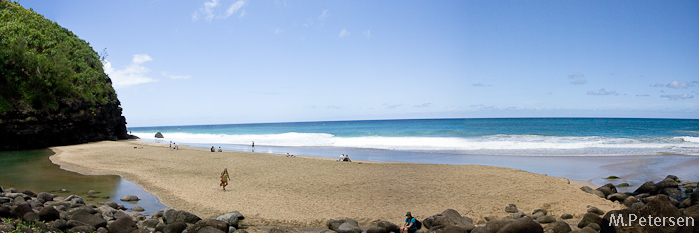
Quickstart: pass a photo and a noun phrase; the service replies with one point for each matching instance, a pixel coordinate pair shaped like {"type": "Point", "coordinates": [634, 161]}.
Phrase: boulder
{"type": "Point", "coordinates": [624, 185]}
{"type": "Point", "coordinates": [637, 206]}
{"type": "Point", "coordinates": [159, 135]}
{"type": "Point", "coordinates": [374, 230]}
{"type": "Point", "coordinates": [594, 226]}
{"type": "Point", "coordinates": [85, 229]}
{"type": "Point", "coordinates": [694, 198]}
{"type": "Point", "coordinates": [648, 187]}
{"type": "Point", "coordinates": [285, 229]}
{"type": "Point", "coordinates": [204, 223]}
{"type": "Point", "coordinates": [511, 208]}
{"type": "Point", "coordinates": [480, 229]}
{"type": "Point", "coordinates": [546, 219]}
{"type": "Point", "coordinates": [137, 209]}
{"type": "Point", "coordinates": [497, 224]}
{"type": "Point", "coordinates": [74, 199]}
{"type": "Point", "coordinates": [176, 227]}
{"type": "Point", "coordinates": [674, 193]}
{"type": "Point", "coordinates": [450, 229]}
{"type": "Point", "coordinates": [660, 206]}
{"type": "Point", "coordinates": [667, 183]}
{"type": "Point", "coordinates": [30, 217]}
{"type": "Point", "coordinates": [558, 227]}
{"type": "Point", "coordinates": [209, 229]}
{"type": "Point", "coordinates": [449, 217]}
{"type": "Point", "coordinates": [539, 213]}
{"type": "Point", "coordinates": [112, 204]}
{"type": "Point", "coordinates": [171, 216]}
{"type": "Point", "coordinates": [595, 210]}
{"type": "Point", "coordinates": [130, 198]}
{"type": "Point", "coordinates": [518, 215]}
{"type": "Point", "coordinates": [5, 212]}
{"type": "Point", "coordinates": [89, 219]}
{"type": "Point", "coordinates": [232, 218]}
{"type": "Point", "coordinates": [607, 189]}
{"type": "Point", "coordinates": [149, 224]}
{"type": "Point", "coordinates": [349, 226]}
{"type": "Point", "coordinates": [49, 213]}
{"type": "Point", "coordinates": [388, 226]}
{"type": "Point", "coordinates": [60, 225]}
{"type": "Point", "coordinates": [592, 191]}
{"type": "Point", "coordinates": [44, 197]}
{"type": "Point", "coordinates": [589, 218]}
{"type": "Point", "coordinates": [618, 221]}
{"type": "Point", "coordinates": [523, 225]}
{"type": "Point", "coordinates": [29, 193]}
{"type": "Point", "coordinates": [620, 197]}
{"type": "Point", "coordinates": [566, 216]}
{"type": "Point", "coordinates": [22, 209]}
{"type": "Point", "coordinates": [630, 200]}
{"type": "Point", "coordinates": [122, 225]}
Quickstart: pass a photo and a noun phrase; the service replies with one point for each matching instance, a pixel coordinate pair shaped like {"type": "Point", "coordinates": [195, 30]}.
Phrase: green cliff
{"type": "Point", "coordinates": [53, 90]}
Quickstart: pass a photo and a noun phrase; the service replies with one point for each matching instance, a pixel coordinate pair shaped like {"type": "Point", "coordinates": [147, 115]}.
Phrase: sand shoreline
{"type": "Point", "coordinates": [306, 191]}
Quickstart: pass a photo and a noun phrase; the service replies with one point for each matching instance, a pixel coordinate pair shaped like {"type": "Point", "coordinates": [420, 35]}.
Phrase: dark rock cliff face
{"type": "Point", "coordinates": [79, 125]}
{"type": "Point", "coordinates": [53, 89]}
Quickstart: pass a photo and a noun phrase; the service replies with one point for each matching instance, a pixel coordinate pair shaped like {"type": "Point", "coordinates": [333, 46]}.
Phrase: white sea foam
{"type": "Point", "coordinates": [493, 142]}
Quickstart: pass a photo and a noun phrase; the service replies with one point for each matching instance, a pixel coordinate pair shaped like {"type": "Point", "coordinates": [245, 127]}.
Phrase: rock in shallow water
{"type": "Point", "coordinates": [129, 198]}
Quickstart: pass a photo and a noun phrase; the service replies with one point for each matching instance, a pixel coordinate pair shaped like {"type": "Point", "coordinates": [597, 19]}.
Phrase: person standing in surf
{"type": "Point", "coordinates": [224, 178]}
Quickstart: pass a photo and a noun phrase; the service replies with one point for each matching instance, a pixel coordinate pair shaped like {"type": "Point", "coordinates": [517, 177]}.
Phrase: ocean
{"type": "Point", "coordinates": [636, 148]}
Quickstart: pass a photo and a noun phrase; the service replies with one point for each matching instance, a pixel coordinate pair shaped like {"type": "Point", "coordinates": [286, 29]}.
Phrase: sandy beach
{"type": "Point", "coordinates": [306, 191]}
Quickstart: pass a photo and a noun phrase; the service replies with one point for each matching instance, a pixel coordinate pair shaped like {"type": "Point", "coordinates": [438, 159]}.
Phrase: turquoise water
{"type": "Point", "coordinates": [587, 149]}
{"type": "Point", "coordinates": [509, 136]}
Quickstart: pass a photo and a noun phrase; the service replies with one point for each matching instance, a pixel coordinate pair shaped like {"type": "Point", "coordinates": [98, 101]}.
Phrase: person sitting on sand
{"type": "Point", "coordinates": [224, 178]}
{"type": "Point", "coordinates": [213, 149]}
{"type": "Point", "coordinates": [219, 149]}
{"type": "Point", "coordinates": [409, 225]}
{"type": "Point", "coordinates": [347, 159]}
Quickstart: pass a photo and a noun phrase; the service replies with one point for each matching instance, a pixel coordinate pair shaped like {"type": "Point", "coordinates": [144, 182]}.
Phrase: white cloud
{"type": "Point", "coordinates": [323, 15]}
{"type": "Point", "coordinates": [209, 10]}
{"type": "Point", "coordinates": [343, 33]}
{"type": "Point", "coordinates": [602, 92]}
{"type": "Point", "coordinates": [172, 76]}
{"type": "Point", "coordinates": [234, 8]}
{"type": "Point", "coordinates": [578, 79]}
{"type": "Point", "coordinates": [678, 97]}
{"type": "Point", "coordinates": [367, 34]}
{"type": "Point", "coordinates": [141, 58]}
{"type": "Point", "coordinates": [423, 105]}
{"type": "Point", "coordinates": [481, 85]}
{"type": "Point", "coordinates": [678, 85]}
{"type": "Point", "coordinates": [133, 74]}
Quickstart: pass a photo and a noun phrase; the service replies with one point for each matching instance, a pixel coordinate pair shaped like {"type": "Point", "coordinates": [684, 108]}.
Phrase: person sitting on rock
{"type": "Point", "coordinates": [409, 225]}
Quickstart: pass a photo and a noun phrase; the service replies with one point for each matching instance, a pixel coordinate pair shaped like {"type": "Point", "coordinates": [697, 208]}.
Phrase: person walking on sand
{"type": "Point", "coordinates": [409, 225]}
{"type": "Point", "coordinates": [224, 178]}
{"type": "Point", "coordinates": [170, 145]}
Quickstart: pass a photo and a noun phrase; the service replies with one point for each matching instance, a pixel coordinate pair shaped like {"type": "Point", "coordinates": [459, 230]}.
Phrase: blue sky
{"type": "Point", "coordinates": [240, 61]}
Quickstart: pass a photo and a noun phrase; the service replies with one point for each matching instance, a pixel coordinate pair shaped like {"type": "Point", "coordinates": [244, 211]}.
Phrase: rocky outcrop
{"type": "Point", "coordinates": [69, 100]}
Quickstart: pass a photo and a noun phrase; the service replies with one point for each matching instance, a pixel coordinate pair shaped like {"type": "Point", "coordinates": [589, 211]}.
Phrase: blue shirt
{"type": "Point", "coordinates": [409, 221]}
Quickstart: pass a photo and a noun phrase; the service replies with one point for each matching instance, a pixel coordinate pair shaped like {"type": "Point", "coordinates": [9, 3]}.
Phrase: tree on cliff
{"type": "Point", "coordinates": [53, 89]}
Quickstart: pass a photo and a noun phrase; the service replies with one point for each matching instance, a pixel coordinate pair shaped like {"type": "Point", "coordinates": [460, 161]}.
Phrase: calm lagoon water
{"type": "Point", "coordinates": [32, 170]}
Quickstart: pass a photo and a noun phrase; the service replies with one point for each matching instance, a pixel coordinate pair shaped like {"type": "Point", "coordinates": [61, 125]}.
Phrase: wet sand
{"type": "Point", "coordinates": [306, 191]}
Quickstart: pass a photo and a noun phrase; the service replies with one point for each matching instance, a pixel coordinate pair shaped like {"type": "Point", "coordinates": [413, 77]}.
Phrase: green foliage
{"type": "Point", "coordinates": [44, 67]}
